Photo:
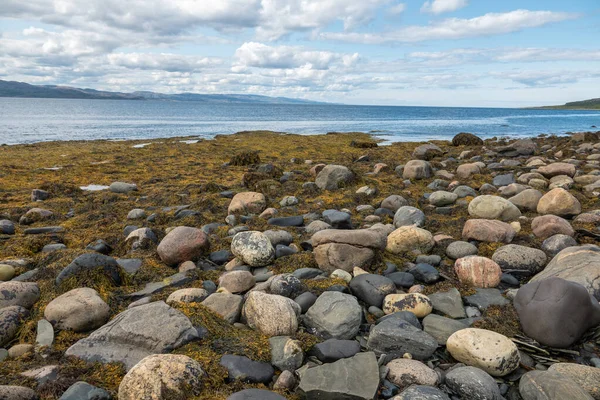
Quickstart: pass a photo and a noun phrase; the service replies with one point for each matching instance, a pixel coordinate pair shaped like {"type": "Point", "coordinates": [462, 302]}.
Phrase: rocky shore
{"type": "Point", "coordinates": [272, 266]}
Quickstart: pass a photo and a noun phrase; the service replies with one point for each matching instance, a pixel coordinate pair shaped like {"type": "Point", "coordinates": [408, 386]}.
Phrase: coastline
{"type": "Point", "coordinates": [199, 179]}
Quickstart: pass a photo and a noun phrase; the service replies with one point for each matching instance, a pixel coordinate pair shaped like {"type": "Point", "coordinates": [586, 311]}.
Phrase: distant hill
{"type": "Point", "coordinates": [21, 89]}
{"type": "Point", "coordinates": [592, 104]}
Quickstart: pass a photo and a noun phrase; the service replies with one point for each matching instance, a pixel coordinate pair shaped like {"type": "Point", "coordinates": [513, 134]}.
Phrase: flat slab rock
{"type": "Point", "coordinates": [152, 328]}
{"type": "Point", "coordinates": [350, 378]}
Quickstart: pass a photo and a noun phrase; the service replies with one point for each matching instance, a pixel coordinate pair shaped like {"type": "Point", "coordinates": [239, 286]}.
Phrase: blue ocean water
{"type": "Point", "coordinates": [36, 120]}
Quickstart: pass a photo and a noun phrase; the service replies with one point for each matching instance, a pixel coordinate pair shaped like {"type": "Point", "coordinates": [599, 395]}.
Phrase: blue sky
{"type": "Point", "coordinates": [395, 52]}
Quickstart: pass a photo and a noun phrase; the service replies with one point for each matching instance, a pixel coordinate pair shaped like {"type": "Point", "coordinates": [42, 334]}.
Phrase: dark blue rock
{"type": "Point", "coordinates": [221, 257]}
{"type": "Point", "coordinates": [337, 219]}
{"type": "Point", "coordinates": [86, 263]}
{"type": "Point", "coordinates": [402, 279]}
{"type": "Point", "coordinates": [425, 273]}
{"type": "Point", "coordinates": [282, 251]}
{"type": "Point", "coordinates": [287, 221]}
{"type": "Point", "coordinates": [305, 301]}
{"type": "Point", "coordinates": [246, 370]}
{"type": "Point", "coordinates": [85, 391]}
{"type": "Point", "coordinates": [332, 350]}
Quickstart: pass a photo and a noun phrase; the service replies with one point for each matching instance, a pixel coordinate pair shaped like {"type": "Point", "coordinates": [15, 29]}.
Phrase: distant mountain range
{"type": "Point", "coordinates": [21, 89]}
{"type": "Point", "coordinates": [592, 104]}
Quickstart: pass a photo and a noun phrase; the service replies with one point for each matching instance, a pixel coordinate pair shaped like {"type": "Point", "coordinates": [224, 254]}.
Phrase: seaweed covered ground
{"type": "Point", "coordinates": [182, 172]}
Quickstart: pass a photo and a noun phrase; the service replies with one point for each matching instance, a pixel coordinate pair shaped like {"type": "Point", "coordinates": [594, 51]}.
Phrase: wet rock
{"type": "Point", "coordinates": [334, 315]}
{"type": "Point", "coordinates": [85, 391]}
{"type": "Point", "coordinates": [246, 370]}
{"type": "Point", "coordinates": [228, 306]}
{"type": "Point", "coordinates": [520, 259]}
{"type": "Point", "coordinates": [417, 392]}
{"type": "Point", "coordinates": [405, 372]}
{"type": "Point", "coordinates": [417, 169]}
{"type": "Point", "coordinates": [396, 337]}
{"type": "Point", "coordinates": [286, 353]}
{"type": "Point", "coordinates": [448, 303]}
{"type": "Point", "coordinates": [332, 177]}
{"type": "Point", "coordinates": [183, 244]}
{"type": "Point", "coordinates": [493, 207]}
{"type": "Point", "coordinates": [538, 385]}
{"type": "Point", "coordinates": [485, 230]}
{"type": "Point", "coordinates": [372, 288]}
{"type": "Point", "coordinates": [271, 314]}
{"type": "Point", "coordinates": [338, 219]}
{"type": "Point", "coordinates": [254, 248]}
{"type": "Point", "coordinates": [425, 273]}
{"type": "Point", "coordinates": [136, 333]}
{"type": "Point", "coordinates": [407, 216]}
{"type": "Point", "coordinates": [410, 239]}
{"type": "Point", "coordinates": [579, 264]}
{"type": "Point", "coordinates": [10, 321]}
{"type": "Point", "coordinates": [559, 301]}
{"type": "Point", "coordinates": [490, 351]}
{"type": "Point", "coordinates": [479, 272]}
{"type": "Point", "coordinates": [416, 303]}
{"type": "Point", "coordinates": [473, 383]}
{"type": "Point", "coordinates": [484, 298]}
{"type": "Point", "coordinates": [163, 376]}
{"type": "Point", "coordinates": [559, 202]}
{"type": "Point", "coordinates": [24, 294]}
{"type": "Point", "coordinates": [332, 350]}
{"type": "Point", "coordinates": [549, 225]}
{"type": "Point", "coordinates": [350, 378]}
{"type": "Point", "coordinates": [7, 227]}
{"type": "Point", "coordinates": [79, 310]}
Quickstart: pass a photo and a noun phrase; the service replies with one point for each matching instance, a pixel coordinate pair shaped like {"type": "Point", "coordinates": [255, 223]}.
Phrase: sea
{"type": "Point", "coordinates": [40, 120]}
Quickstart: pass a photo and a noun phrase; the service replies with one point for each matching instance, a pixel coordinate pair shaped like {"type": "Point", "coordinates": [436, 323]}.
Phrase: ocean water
{"type": "Point", "coordinates": [36, 120]}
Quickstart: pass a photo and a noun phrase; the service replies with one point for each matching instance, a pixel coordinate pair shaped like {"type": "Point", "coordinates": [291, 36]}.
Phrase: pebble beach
{"type": "Point", "coordinates": [272, 266]}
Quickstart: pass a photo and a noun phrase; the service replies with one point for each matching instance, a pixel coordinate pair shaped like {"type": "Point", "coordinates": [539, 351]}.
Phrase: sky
{"type": "Point", "coordinates": [479, 53]}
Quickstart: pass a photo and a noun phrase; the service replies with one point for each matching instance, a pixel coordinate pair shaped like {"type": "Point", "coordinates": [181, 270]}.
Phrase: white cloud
{"type": "Point", "coordinates": [397, 9]}
{"type": "Point", "coordinates": [536, 78]}
{"type": "Point", "coordinates": [162, 62]}
{"type": "Point", "coordinates": [457, 28]}
{"type": "Point", "coordinates": [443, 6]}
{"type": "Point", "coordinates": [260, 55]}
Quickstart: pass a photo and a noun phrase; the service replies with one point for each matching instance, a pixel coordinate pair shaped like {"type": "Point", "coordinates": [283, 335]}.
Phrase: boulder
{"type": "Point", "coordinates": [23, 294]}
{"type": "Point", "coordinates": [442, 198]}
{"type": "Point", "coordinates": [417, 169]}
{"type": "Point", "coordinates": [559, 202]}
{"type": "Point", "coordinates": [255, 394]}
{"type": "Point", "coordinates": [84, 391]}
{"type": "Point", "coordinates": [92, 262]}
{"type": "Point", "coordinates": [188, 295]}
{"type": "Point", "coordinates": [466, 139]}
{"type": "Point", "coordinates": [427, 152]}
{"type": "Point", "coordinates": [10, 322]}
{"type": "Point", "coordinates": [410, 239]}
{"type": "Point", "coordinates": [79, 310]}
{"type": "Point", "coordinates": [479, 272]}
{"type": "Point", "coordinates": [405, 372]}
{"type": "Point", "coordinates": [358, 237]}
{"type": "Point", "coordinates": [7, 227]}
{"type": "Point", "coordinates": [334, 315]}
{"type": "Point", "coordinates": [237, 281]}
{"type": "Point", "coordinates": [332, 350]}
{"type": "Point", "coordinates": [183, 244]}
{"type": "Point", "coordinates": [556, 243]}
{"type": "Point", "coordinates": [134, 334]}
{"type": "Point", "coordinates": [520, 259]}
{"type": "Point", "coordinates": [473, 383]}
{"type": "Point", "coordinates": [493, 207]}
{"type": "Point", "coordinates": [460, 249]}
{"type": "Point", "coordinates": [416, 303]}
{"type": "Point", "coordinates": [568, 310]}
{"type": "Point", "coordinates": [441, 328]}
{"type": "Point", "coordinates": [585, 376]}
{"type": "Point", "coordinates": [246, 370]}
{"type": "Point", "coordinates": [163, 376]}
{"type": "Point", "coordinates": [35, 215]}
{"type": "Point", "coordinates": [527, 200]}
{"type": "Point", "coordinates": [579, 264]}
{"type": "Point", "coordinates": [393, 202]}
{"type": "Point", "coordinates": [253, 248]}
{"type": "Point", "coordinates": [10, 392]}
{"type": "Point", "coordinates": [349, 378]}
{"type": "Point", "coordinates": [542, 385]}
{"type": "Point", "coordinates": [448, 303]}
{"type": "Point", "coordinates": [271, 314]}
{"type": "Point", "coordinates": [332, 256]}
{"type": "Point", "coordinates": [490, 351]}
{"type": "Point", "coordinates": [122, 187]}
{"type": "Point", "coordinates": [549, 225]}
{"type": "Point", "coordinates": [418, 392]}
{"type": "Point", "coordinates": [227, 306]}
{"type": "Point", "coordinates": [332, 177]}
{"type": "Point", "coordinates": [247, 203]}
{"type": "Point", "coordinates": [485, 230]}
{"type": "Point", "coordinates": [557, 169]}
{"type": "Point", "coordinates": [372, 288]}
{"type": "Point", "coordinates": [286, 353]}
{"type": "Point", "coordinates": [407, 215]}
{"type": "Point", "coordinates": [465, 171]}
{"type": "Point", "coordinates": [395, 337]}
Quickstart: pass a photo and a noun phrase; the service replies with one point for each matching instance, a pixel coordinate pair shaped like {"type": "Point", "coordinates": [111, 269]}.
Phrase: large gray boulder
{"type": "Point", "coordinates": [546, 385]}
{"type": "Point", "coordinates": [520, 259]}
{"type": "Point", "coordinates": [395, 337]}
{"type": "Point", "coordinates": [473, 384]}
{"type": "Point", "coordinates": [23, 294]}
{"type": "Point", "coordinates": [92, 262]}
{"type": "Point", "coordinates": [567, 308]}
{"type": "Point", "coordinates": [271, 314]}
{"type": "Point", "coordinates": [78, 310]}
{"type": "Point", "coordinates": [152, 328]}
{"type": "Point", "coordinates": [253, 248]}
{"type": "Point", "coordinates": [332, 177]}
{"type": "Point", "coordinates": [182, 244]}
{"type": "Point", "coordinates": [334, 315]}
{"type": "Point", "coordinates": [354, 378]}
{"type": "Point", "coordinates": [579, 264]}
{"type": "Point", "coordinates": [493, 207]}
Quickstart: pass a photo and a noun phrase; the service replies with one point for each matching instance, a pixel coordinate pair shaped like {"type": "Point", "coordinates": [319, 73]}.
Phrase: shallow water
{"type": "Point", "coordinates": [35, 120]}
